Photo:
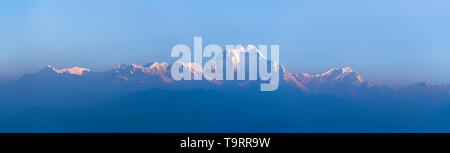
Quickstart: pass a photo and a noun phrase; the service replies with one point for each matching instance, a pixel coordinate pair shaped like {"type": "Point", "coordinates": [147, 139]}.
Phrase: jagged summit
{"type": "Point", "coordinates": [74, 70]}
{"type": "Point", "coordinates": [243, 49]}
{"type": "Point", "coordinates": [337, 71]}
{"type": "Point", "coordinates": [342, 74]}
{"type": "Point", "coordinates": [347, 69]}
{"type": "Point", "coordinates": [335, 77]}
{"type": "Point", "coordinates": [333, 74]}
{"type": "Point", "coordinates": [151, 68]}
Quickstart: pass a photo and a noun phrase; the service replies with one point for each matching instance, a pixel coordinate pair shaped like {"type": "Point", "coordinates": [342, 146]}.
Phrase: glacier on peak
{"type": "Point", "coordinates": [153, 68]}
{"type": "Point", "coordinates": [74, 70]}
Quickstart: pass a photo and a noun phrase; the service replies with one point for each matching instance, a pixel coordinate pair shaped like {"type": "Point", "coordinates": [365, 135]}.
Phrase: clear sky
{"type": "Point", "coordinates": [389, 42]}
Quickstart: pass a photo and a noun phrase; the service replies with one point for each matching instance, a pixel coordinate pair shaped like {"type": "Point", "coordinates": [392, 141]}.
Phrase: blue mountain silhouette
{"type": "Point", "coordinates": [136, 98]}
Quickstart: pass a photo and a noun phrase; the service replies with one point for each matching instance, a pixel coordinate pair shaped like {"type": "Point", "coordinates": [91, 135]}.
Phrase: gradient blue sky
{"type": "Point", "coordinates": [389, 42]}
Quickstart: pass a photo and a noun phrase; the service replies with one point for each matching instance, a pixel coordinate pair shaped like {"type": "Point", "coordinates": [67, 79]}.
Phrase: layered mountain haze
{"type": "Point", "coordinates": [145, 96]}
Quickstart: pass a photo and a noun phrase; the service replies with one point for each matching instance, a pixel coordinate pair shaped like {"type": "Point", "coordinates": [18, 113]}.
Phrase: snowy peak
{"type": "Point", "coordinates": [336, 74]}
{"type": "Point", "coordinates": [148, 73]}
{"type": "Point", "coordinates": [236, 53]}
{"type": "Point", "coordinates": [73, 71]}
{"type": "Point", "coordinates": [337, 71]}
{"type": "Point", "coordinates": [151, 69]}
{"type": "Point", "coordinates": [336, 77]}
{"type": "Point", "coordinates": [347, 69]}
{"type": "Point", "coordinates": [244, 49]}
{"type": "Point", "coordinates": [343, 74]}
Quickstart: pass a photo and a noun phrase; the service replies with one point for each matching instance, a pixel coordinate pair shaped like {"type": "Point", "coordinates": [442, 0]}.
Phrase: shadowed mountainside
{"type": "Point", "coordinates": [133, 98]}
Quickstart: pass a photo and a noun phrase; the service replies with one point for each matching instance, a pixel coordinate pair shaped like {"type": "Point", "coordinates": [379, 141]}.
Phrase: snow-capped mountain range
{"type": "Point", "coordinates": [78, 86]}
{"type": "Point", "coordinates": [147, 94]}
{"type": "Point", "coordinates": [81, 86]}
{"type": "Point", "coordinates": [158, 73]}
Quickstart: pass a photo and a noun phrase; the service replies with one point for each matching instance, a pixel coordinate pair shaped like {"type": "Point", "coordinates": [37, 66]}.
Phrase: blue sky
{"type": "Point", "coordinates": [388, 42]}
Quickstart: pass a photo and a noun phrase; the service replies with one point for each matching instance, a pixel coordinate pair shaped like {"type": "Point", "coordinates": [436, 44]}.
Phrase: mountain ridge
{"type": "Point", "coordinates": [160, 71]}
{"type": "Point", "coordinates": [124, 79]}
